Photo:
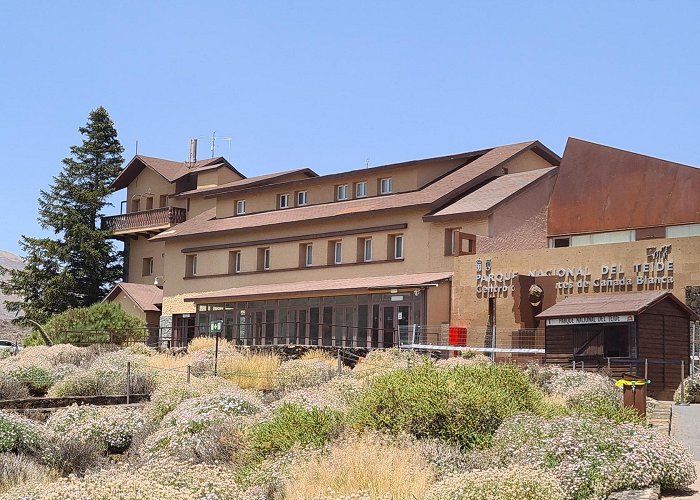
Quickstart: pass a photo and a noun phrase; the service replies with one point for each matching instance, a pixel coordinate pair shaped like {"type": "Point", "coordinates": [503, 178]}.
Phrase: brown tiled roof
{"type": "Point", "coordinates": [310, 287]}
{"type": "Point", "coordinates": [168, 169]}
{"type": "Point", "coordinates": [486, 198]}
{"type": "Point", "coordinates": [433, 195]}
{"type": "Point", "coordinates": [246, 183]}
{"type": "Point", "coordinates": [603, 305]}
{"type": "Point", "coordinates": [146, 297]}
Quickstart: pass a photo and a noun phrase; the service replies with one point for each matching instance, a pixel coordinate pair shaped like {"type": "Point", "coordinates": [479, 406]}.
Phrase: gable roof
{"type": "Point", "coordinates": [602, 305]}
{"type": "Point", "coordinates": [168, 169]}
{"type": "Point", "coordinates": [146, 297]}
{"type": "Point", "coordinates": [600, 188]}
{"type": "Point", "coordinates": [432, 196]}
{"type": "Point", "coordinates": [247, 183]}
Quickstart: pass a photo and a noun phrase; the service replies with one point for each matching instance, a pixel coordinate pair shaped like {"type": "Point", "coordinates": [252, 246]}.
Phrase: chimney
{"type": "Point", "coordinates": [192, 159]}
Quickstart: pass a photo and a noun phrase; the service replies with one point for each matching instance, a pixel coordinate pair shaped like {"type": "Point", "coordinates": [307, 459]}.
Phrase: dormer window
{"type": "Point", "coordinates": [341, 192]}
{"type": "Point", "coordinates": [385, 186]}
{"type": "Point", "coordinates": [301, 198]}
{"type": "Point", "coordinates": [283, 201]}
{"type": "Point", "coordinates": [361, 189]}
{"type": "Point", "coordinates": [240, 207]}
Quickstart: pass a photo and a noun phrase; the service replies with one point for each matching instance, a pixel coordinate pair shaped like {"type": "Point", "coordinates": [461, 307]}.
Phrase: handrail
{"type": "Point", "coordinates": [144, 219]}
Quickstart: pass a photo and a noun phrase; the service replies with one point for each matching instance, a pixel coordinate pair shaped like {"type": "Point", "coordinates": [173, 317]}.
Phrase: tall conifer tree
{"type": "Point", "coordinates": [77, 267]}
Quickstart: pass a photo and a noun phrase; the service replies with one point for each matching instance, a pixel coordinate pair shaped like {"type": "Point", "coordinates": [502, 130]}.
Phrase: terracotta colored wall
{"type": "Point", "coordinates": [140, 249]}
{"type": "Point", "coordinates": [148, 182]}
{"type": "Point", "coordinates": [129, 307]}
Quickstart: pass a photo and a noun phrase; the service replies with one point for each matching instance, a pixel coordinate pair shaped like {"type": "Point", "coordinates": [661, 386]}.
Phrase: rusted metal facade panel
{"type": "Point", "coordinates": [600, 189]}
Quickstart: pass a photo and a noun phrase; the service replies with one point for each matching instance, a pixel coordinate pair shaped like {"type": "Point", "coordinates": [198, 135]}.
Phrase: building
{"type": "Point", "coordinates": [354, 258]}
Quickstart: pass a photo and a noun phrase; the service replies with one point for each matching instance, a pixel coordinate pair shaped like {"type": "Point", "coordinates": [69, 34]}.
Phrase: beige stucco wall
{"type": "Point", "coordinates": [129, 306]}
{"type": "Point", "coordinates": [148, 183]}
{"type": "Point", "coordinates": [140, 249]}
{"type": "Point", "coordinates": [526, 161]}
{"type": "Point", "coordinates": [471, 308]}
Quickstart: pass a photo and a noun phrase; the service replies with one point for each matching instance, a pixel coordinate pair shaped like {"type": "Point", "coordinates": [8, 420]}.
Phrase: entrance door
{"type": "Point", "coordinates": [388, 332]}
{"type": "Point", "coordinates": [344, 325]}
{"type": "Point", "coordinates": [183, 330]}
{"type": "Point", "coordinates": [403, 315]}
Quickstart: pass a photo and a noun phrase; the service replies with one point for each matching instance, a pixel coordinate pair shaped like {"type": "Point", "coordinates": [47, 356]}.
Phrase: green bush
{"type": "Point", "coordinates": [107, 320]}
{"type": "Point", "coordinates": [19, 434]}
{"type": "Point", "coordinates": [515, 483]}
{"type": "Point", "coordinates": [463, 405]}
{"type": "Point", "coordinates": [292, 424]}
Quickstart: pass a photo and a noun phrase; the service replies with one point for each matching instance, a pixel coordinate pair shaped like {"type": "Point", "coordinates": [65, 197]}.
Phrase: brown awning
{"type": "Point", "coordinates": [616, 304]}
{"type": "Point", "coordinates": [312, 288]}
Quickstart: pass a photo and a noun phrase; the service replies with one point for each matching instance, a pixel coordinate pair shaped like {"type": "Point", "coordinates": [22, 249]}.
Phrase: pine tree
{"type": "Point", "coordinates": [77, 267]}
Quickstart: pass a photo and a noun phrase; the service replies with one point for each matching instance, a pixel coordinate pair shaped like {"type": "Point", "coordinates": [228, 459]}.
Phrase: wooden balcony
{"type": "Point", "coordinates": [145, 223]}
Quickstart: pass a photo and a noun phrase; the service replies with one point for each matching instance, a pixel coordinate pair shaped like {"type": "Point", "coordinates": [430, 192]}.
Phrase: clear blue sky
{"type": "Point", "coordinates": [325, 85]}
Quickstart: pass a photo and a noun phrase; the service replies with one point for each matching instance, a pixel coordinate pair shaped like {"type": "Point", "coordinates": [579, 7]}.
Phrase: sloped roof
{"type": "Point", "coordinates": [432, 196]}
{"type": "Point", "coordinates": [600, 189]}
{"type": "Point", "coordinates": [168, 169]}
{"type": "Point", "coordinates": [309, 287]}
{"type": "Point", "coordinates": [146, 297]}
{"type": "Point", "coordinates": [247, 183]}
{"type": "Point", "coordinates": [604, 305]}
{"type": "Point", "coordinates": [487, 197]}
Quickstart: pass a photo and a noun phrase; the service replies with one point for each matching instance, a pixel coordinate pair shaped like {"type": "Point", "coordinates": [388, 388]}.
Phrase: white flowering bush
{"type": "Point", "coordinates": [512, 483]}
{"type": "Point", "coordinates": [174, 391]}
{"type": "Point", "coordinates": [472, 358]}
{"type": "Point", "coordinates": [299, 373]}
{"type": "Point", "coordinates": [381, 362]}
{"type": "Point", "coordinates": [110, 427]}
{"type": "Point", "coordinates": [593, 457]}
{"type": "Point", "coordinates": [37, 374]}
{"type": "Point", "coordinates": [337, 394]}
{"type": "Point", "coordinates": [174, 480]}
{"type": "Point", "coordinates": [19, 434]}
{"type": "Point", "coordinates": [690, 392]}
{"type": "Point", "coordinates": [11, 388]}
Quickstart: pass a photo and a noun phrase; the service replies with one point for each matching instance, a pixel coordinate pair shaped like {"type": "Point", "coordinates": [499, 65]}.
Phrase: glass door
{"type": "Point", "coordinates": [387, 333]}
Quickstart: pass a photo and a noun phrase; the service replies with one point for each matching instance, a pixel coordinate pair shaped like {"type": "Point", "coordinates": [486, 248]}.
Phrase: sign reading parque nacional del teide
{"type": "Point", "coordinates": [652, 271]}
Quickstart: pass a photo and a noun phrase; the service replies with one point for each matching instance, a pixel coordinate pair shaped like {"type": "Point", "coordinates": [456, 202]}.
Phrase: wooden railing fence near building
{"type": "Point", "coordinates": [144, 219]}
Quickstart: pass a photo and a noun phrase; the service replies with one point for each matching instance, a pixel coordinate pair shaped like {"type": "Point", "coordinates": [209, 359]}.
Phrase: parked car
{"type": "Point", "coordinates": [8, 345]}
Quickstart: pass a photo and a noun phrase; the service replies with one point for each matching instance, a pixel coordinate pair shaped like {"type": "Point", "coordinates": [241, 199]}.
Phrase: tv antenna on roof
{"type": "Point", "coordinates": [212, 142]}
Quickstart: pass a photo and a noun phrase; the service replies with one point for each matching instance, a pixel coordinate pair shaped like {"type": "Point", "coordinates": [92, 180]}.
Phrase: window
{"type": "Point", "coordinates": [301, 198]}
{"type": "Point", "coordinates": [147, 269]}
{"type": "Point", "coordinates": [398, 247]}
{"type": "Point", "coordinates": [163, 201]}
{"type": "Point", "coordinates": [559, 242]}
{"type": "Point", "coordinates": [602, 238]}
{"type": "Point", "coordinates": [385, 186]}
{"type": "Point", "coordinates": [453, 241]}
{"type": "Point", "coordinates": [136, 205]}
{"type": "Point", "coordinates": [341, 192]}
{"type": "Point", "coordinates": [309, 255]}
{"type": "Point", "coordinates": [367, 254]}
{"type": "Point", "coordinates": [149, 203]}
{"type": "Point", "coordinates": [240, 207]}
{"type": "Point", "coordinates": [263, 259]}
{"type": "Point", "coordinates": [338, 246]}
{"type": "Point", "coordinates": [361, 189]}
{"type": "Point", "coordinates": [683, 231]}
{"type": "Point", "coordinates": [191, 265]}
{"type": "Point", "coordinates": [284, 201]}
{"type": "Point", "coordinates": [234, 262]}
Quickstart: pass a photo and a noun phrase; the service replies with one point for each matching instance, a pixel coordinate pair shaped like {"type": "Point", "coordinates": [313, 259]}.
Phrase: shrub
{"type": "Point", "coordinates": [19, 434]}
{"type": "Point", "coordinates": [17, 469]}
{"type": "Point", "coordinates": [320, 355]}
{"type": "Point", "coordinates": [593, 457]}
{"type": "Point", "coordinates": [69, 454]}
{"type": "Point", "coordinates": [108, 321]}
{"type": "Point", "coordinates": [514, 483]}
{"type": "Point", "coordinates": [691, 390]}
{"type": "Point", "coordinates": [205, 343]}
{"type": "Point", "coordinates": [291, 425]}
{"type": "Point", "coordinates": [11, 388]}
{"type": "Point", "coordinates": [370, 464]}
{"type": "Point", "coordinates": [379, 363]}
{"type": "Point", "coordinates": [337, 394]}
{"type": "Point", "coordinates": [168, 395]}
{"type": "Point", "coordinates": [469, 358]}
{"type": "Point", "coordinates": [110, 428]}
{"type": "Point", "coordinates": [300, 373]}
{"type": "Point", "coordinates": [463, 405]}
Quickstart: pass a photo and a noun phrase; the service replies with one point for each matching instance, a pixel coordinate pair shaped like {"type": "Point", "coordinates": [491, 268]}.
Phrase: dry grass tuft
{"type": "Point", "coordinates": [320, 355]}
{"type": "Point", "coordinates": [207, 343]}
{"type": "Point", "coordinates": [168, 361]}
{"type": "Point", "coordinates": [250, 370]}
{"type": "Point", "coordinates": [369, 463]}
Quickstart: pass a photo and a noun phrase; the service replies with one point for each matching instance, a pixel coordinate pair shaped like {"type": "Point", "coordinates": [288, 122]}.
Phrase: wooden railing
{"type": "Point", "coordinates": [145, 219]}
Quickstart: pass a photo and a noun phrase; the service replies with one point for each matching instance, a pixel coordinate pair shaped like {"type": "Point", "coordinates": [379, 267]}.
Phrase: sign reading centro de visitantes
{"type": "Point", "coordinates": [590, 320]}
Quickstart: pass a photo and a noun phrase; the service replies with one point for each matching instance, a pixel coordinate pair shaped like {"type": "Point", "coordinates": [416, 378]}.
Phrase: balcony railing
{"type": "Point", "coordinates": [147, 219]}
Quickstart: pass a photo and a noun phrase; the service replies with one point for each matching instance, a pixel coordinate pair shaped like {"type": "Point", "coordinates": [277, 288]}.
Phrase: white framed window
{"type": "Point", "coordinates": [367, 256]}
{"type": "Point", "coordinates": [398, 247]}
{"type": "Point", "coordinates": [240, 207]}
{"type": "Point", "coordinates": [385, 186]}
{"type": "Point", "coordinates": [338, 253]}
{"type": "Point", "coordinates": [284, 200]}
{"type": "Point", "coordinates": [361, 189]}
{"type": "Point", "coordinates": [301, 198]}
{"type": "Point", "coordinates": [237, 262]}
{"type": "Point", "coordinates": [602, 238]}
{"type": "Point", "coordinates": [147, 269]}
{"type": "Point", "coordinates": [309, 255]}
{"type": "Point", "coordinates": [191, 269]}
{"type": "Point", "coordinates": [341, 192]}
{"type": "Point", "coordinates": [266, 259]}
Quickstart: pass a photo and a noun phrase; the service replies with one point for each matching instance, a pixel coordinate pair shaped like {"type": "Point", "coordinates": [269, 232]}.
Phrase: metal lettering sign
{"type": "Point", "coordinates": [590, 320]}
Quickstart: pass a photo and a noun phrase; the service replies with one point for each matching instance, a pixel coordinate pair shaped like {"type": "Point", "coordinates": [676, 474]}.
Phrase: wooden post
{"type": "Point", "coordinates": [646, 369]}
{"type": "Point", "coordinates": [573, 365]}
{"type": "Point", "coordinates": [340, 363]}
{"type": "Point", "coordinates": [128, 382]}
{"type": "Point", "coordinates": [682, 381]}
{"type": "Point", "coordinates": [189, 371]}
{"type": "Point", "coordinates": [609, 364]}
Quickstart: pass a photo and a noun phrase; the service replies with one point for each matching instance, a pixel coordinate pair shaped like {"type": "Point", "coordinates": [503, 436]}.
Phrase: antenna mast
{"type": "Point", "coordinates": [212, 143]}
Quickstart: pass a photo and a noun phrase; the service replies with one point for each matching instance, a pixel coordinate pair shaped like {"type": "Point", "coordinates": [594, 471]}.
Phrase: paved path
{"type": "Point", "coordinates": [685, 427]}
